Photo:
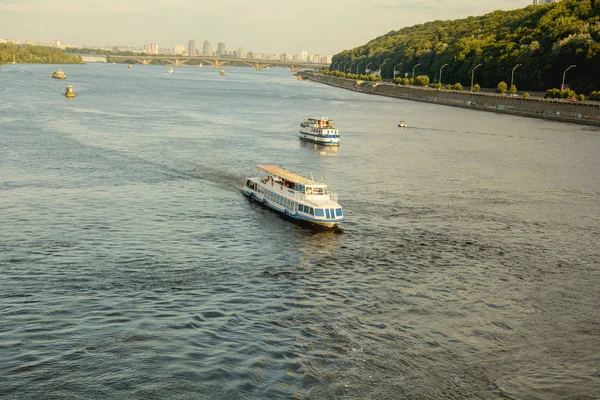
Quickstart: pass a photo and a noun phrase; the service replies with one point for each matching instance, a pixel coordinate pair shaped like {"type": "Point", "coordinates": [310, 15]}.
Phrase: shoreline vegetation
{"type": "Point", "coordinates": [28, 54]}
{"type": "Point", "coordinates": [532, 48]}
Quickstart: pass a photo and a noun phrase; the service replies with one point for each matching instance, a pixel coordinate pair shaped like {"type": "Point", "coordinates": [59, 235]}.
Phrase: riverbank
{"type": "Point", "coordinates": [557, 110]}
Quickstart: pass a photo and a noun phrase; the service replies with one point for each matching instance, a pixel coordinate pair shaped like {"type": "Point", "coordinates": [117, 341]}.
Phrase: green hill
{"type": "Point", "coordinates": [545, 39]}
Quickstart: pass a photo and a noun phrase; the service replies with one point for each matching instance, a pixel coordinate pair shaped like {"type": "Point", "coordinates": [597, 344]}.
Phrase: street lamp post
{"type": "Point", "coordinates": [367, 67]}
{"type": "Point", "coordinates": [351, 66]}
{"type": "Point", "coordinates": [344, 67]}
{"type": "Point", "coordinates": [414, 72]}
{"type": "Point", "coordinates": [473, 75]}
{"type": "Point", "coordinates": [512, 75]}
{"type": "Point", "coordinates": [357, 67]}
{"type": "Point", "coordinates": [562, 85]}
{"type": "Point", "coordinates": [395, 70]}
{"type": "Point", "coordinates": [445, 65]}
{"type": "Point", "coordinates": [381, 66]}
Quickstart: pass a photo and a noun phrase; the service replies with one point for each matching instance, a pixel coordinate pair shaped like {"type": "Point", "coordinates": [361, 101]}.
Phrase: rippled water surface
{"type": "Point", "coordinates": [132, 267]}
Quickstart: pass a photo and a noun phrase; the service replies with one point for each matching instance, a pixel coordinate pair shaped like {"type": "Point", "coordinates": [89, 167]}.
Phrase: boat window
{"type": "Point", "coordinates": [319, 212]}
{"type": "Point", "coordinates": [327, 213]}
{"type": "Point", "coordinates": [318, 191]}
{"type": "Point", "coordinates": [338, 212]}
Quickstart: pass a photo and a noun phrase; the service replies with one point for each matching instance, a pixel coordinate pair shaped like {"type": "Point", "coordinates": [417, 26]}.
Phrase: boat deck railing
{"type": "Point", "coordinates": [298, 196]}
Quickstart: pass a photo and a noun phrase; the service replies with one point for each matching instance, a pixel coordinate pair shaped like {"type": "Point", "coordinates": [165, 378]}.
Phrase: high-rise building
{"type": "Point", "coordinates": [192, 48]}
{"type": "Point", "coordinates": [207, 48]}
{"type": "Point", "coordinates": [153, 48]}
{"type": "Point", "coordinates": [147, 49]}
{"type": "Point", "coordinates": [221, 49]}
{"type": "Point", "coordinates": [304, 55]}
{"type": "Point", "coordinates": [241, 53]}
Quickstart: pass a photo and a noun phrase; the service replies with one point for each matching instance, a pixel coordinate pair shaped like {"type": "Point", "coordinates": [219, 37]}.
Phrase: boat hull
{"type": "Point", "coordinates": [287, 213]}
{"type": "Point", "coordinates": [330, 138]}
{"type": "Point", "coordinates": [322, 142]}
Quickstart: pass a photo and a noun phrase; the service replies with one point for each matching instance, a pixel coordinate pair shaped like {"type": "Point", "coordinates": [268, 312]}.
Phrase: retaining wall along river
{"type": "Point", "coordinates": [559, 110]}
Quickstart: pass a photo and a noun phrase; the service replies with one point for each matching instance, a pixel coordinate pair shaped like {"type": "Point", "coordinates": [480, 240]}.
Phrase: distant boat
{"type": "Point", "coordinates": [402, 124]}
{"type": "Point", "coordinates": [129, 66]}
{"type": "Point", "coordinates": [221, 72]}
{"type": "Point", "coordinates": [200, 65]}
{"type": "Point", "coordinates": [59, 74]}
{"type": "Point", "coordinates": [171, 70]}
{"type": "Point", "coordinates": [69, 92]}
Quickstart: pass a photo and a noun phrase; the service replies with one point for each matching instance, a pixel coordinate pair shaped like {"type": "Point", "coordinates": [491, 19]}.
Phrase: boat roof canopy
{"type": "Point", "coordinates": [285, 174]}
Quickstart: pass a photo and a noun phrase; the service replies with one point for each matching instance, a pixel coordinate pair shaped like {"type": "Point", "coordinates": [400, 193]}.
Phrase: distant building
{"type": "Point", "coordinates": [207, 48]}
{"type": "Point", "coordinates": [303, 55]}
{"type": "Point", "coordinates": [178, 49]}
{"type": "Point", "coordinates": [192, 48]}
{"type": "Point", "coordinates": [221, 48]}
{"type": "Point", "coordinates": [91, 58]}
{"type": "Point", "coordinates": [241, 53]}
{"type": "Point", "coordinates": [536, 2]}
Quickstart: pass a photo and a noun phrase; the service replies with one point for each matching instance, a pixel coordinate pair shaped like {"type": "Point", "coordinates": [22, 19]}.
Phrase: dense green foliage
{"type": "Point", "coordinates": [545, 39]}
{"type": "Point", "coordinates": [35, 55]}
{"type": "Point", "coordinates": [560, 94]}
{"type": "Point", "coordinates": [115, 52]}
{"type": "Point", "coordinates": [422, 80]}
{"type": "Point", "coordinates": [362, 77]}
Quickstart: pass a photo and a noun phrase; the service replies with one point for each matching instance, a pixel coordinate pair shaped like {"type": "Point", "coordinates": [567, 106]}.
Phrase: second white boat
{"type": "Point", "coordinates": [321, 131]}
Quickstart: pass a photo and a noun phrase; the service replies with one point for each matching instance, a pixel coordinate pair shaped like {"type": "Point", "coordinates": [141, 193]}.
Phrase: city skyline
{"type": "Point", "coordinates": [263, 26]}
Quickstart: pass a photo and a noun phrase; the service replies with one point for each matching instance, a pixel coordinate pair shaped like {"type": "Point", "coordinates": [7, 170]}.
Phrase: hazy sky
{"type": "Point", "coordinates": [269, 26]}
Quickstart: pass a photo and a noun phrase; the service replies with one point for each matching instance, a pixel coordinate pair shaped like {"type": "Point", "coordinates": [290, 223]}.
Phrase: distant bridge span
{"type": "Point", "coordinates": [217, 62]}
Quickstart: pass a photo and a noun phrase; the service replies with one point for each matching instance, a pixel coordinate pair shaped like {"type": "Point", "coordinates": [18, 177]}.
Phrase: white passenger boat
{"type": "Point", "coordinates": [321, 131]}
{"type": "Point", "coordinates": [295, 196]}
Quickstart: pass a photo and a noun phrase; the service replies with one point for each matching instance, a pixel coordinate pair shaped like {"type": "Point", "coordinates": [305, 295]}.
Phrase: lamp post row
{"type": "Point", "coordinates": [512, 74]}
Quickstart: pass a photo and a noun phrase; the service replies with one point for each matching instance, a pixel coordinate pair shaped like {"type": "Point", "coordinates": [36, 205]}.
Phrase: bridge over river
{"type": "Point", "coordinates": [217, 62]}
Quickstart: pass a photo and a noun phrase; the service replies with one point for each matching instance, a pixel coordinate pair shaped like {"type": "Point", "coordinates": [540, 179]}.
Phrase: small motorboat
{"type": "Point", "coordinates": [129, 66]}
{"type": "Point", "coordinates": [222, 73]}
{"type": "Point", "coordinates": [69, 92]}
{"type": "Point", "coordinates": [402, 124]}
{"type": "Point", "coordinates": [171, 70]}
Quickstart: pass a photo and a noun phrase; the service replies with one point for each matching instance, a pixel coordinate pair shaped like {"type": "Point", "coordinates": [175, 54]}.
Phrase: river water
{"type": "Point", "coordinates": [132, 267]}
